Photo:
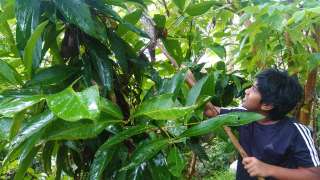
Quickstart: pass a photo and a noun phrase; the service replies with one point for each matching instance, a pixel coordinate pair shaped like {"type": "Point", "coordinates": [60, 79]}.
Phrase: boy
{"type": "Point", "coordinates": [279, 146]}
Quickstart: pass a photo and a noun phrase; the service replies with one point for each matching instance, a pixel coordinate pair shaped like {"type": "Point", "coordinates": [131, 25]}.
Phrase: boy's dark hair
{"type": "Point", "coordinates": [280, 90]}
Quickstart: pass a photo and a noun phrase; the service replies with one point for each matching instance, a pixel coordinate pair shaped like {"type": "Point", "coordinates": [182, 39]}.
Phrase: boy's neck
{"type": "Point", "coordinates": [267, 122]}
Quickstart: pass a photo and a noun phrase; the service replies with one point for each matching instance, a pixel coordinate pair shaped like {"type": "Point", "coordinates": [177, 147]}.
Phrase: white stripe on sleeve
{"type": "Point", "coordinates": [309, 137]}
{"type": "Point", "coordinates": [307, 143]}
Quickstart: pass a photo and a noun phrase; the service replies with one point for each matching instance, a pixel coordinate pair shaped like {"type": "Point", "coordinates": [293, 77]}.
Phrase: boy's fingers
{"type": "Point", "coordinates": [249, 166]}
{"type": "Point", "coordinates": [246, 160]}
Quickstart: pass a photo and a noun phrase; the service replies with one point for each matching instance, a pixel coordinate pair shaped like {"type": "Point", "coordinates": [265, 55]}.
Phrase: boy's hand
{"type": "Point", "coordinates": [256, 167]}
{"type": "Point", "coordinates": [209, 112]}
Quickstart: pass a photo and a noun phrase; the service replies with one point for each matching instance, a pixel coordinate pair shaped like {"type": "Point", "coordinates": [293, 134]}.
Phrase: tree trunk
{"type": "Point", "coordinates": [305, 113]}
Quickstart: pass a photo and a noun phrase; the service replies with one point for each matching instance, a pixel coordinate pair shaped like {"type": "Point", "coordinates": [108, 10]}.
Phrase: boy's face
{"type": "Point", "coordinates": [252, 99]}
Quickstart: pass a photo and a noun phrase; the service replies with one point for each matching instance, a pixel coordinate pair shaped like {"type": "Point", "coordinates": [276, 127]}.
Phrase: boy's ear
{"type": "Point", "coordinates": [266, 107]}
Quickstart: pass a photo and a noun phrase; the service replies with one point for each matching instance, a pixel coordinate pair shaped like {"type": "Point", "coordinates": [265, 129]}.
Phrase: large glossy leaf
{"type": "Point", "coordinates": [25, 162]}
{"type": "Point", "coordinates": [110, 109]}
{"type": "Point", "coordinates": [46, 156]}
{"type": "Point", "coordinates": [29, 58]}
{"type": "Point", "coordinates": [5, 125]}
{"type": "Point", "coordinates": [145, 152]}
{"type": "Point", "coordinates": [27, 15]}
{"type": "Point", "coordinates": [199, 8]}
{"type": "Point", "coordinates": [103, 153]}
{"type": "Point", "coordinates": [27, 155]}
{"type": "Point", "coordinates": [101, 160]}
{"type": "Point", "coordinates": [174, 84]}
{"type": "Point", "coordinates": [17, 123]}
{"type": "Point", "coordinates": [132, 18]}
{"type": "Point", "coordinates": [120, 49]}
{"type": "Point", "coordinates": [180, 4]}
{"type": "Point", "coordinates": [195, 91]}
{"type": "Point", "coordinates": [174, 48]}
{"type": "Point", "coordinates": [8, 73]}
{"type": "Point", "coordinates": [37, 124]}
{"type": "Point", "coordinates": [218, 49]}
{"type": "Point", "coordinates": [73, 106]}
{"type": "Point", "coordinates": [13, 106]}
{"type": "Point", "coordinates": [102, 64]}
{"type": "Point", "coordinates": [176, 162]}
{"type": "Point", "coordinates": [108, 11]}
{"type": "Point", "coordinates": [78, 13]}
{"type": "Point", "coordinates": [63, 160]}
{"type": "Point", "coordinates": [125, 134]}
{"type": "Point", "coordinates": [83, 129]}
{"type": "Point", "coordinates": [52, 75]}
{"type": "Point", "coordinates": [162, 108]}
{"type": "Point", "coordinates": [230, 119]}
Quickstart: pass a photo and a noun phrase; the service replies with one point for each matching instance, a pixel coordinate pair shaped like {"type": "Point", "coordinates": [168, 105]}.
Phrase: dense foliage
{"type": "Point", "coordinates": [95, 89]}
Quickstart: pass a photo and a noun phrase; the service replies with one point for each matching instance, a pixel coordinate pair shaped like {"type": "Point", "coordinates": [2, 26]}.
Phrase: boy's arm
{"type": "Point", "coordinates": [256, 167]}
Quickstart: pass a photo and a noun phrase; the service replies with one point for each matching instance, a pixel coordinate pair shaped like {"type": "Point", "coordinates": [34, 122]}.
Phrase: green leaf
{"type": "Point", "coordinates": [8, 73]}
{"type": "Point", "coordinates": [180, 4]}
{"type": "Point", "coordinates": [108, 11]}
{"type": "Point", "coordinates": [28, 56]}
{"type": "Point", "coordinates": [8, 39]}
{"type": "Point", "coordinates": [102, 64]}
{"type": "Point", "coordinates": [125, 134]}
{"type": "Point", "coordinates": [314, 10]}
{"type": "Point", "coordinates": [37, 123]}
{"type": "Point", "coordinates": [174, 48]}
{"type": "Point", "coordinates": [131, 18]}
{"type": "Point", "coordinates": [199, 8]}
{"type": "Point", "coordinates": [8, 10]}
{"type": "Point", "coordinates": [176, 162]}
{"type": "Point", "coordinates": [218, 49]}
{"type": "Point", "coordinates": [101, 160]}
{"type": "Point", "coordinates": [160, 21]}
{"type": "Point", "coordinates": [83, 129]}
{"type": "Point", "coordinates": [25, 162]}
{"type": "Point", "coordinates": [230, 119]}
{"type": "Point", "coordinates": [11, 107]}
{"type": "Point", "coordinates": [102, 155]}
{"type": "Point", "coordinates": [296, 17]}
{"type": "Point", "coordinates": [111, 109]}
{"type": "Point", "coordinates": [120, 49]}
{"type": "Point", "coordinates": [17, 123]}
{"type": "Point", "coordinates": [195, 91]}
{"type": "Point", "coordinates": [46, 156]}
{"type": "Point", "coordinates": [27, 156]}
{"type": "Point", "coordinates": [146, 151]}
{"type": "Point", "coordinates": [73, 106]}
{"type": "Point", "coordinates": [313, 60]}
{"type": "Point", "coordinates": [162, 108]}
{"type": "Point", "coordinates": [62, 160]}
{"type": "Point", "coordinates": [174, 84]}
{"type": "Point", "coordinates": [52, 75]}
{"type": "Point", "coordinates": [78, 13]}
{"type": "Point", "coordinates": [5, 125]}
{"type": "Point", "coordinates": [27, 15]}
